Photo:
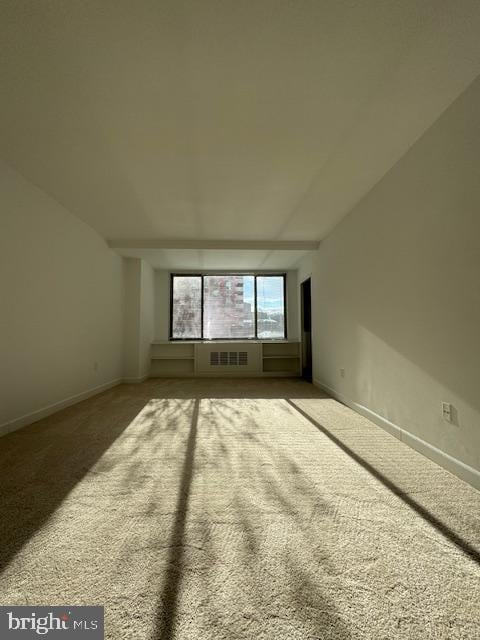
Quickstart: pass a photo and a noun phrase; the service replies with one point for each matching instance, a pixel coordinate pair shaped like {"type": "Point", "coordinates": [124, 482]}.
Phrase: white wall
{"type": "Point", "coordinates": [396, 293]}
{"type": "Point", "coordinates": [139, 318]}
{"type": "Point", "coordinates": [147, 317]}
{"type": "Point", "coordinates": [293, 318]}
{"type": "Point", "coordinates": [162, 305]}
{"type": "Point", "coordinates": [132, 271]}
{"type": "Point", "coordinates": [61, 296]}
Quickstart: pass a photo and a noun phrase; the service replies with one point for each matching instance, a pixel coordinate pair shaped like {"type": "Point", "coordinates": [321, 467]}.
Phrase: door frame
{"type": "Point", "coordinates": [303, 333]}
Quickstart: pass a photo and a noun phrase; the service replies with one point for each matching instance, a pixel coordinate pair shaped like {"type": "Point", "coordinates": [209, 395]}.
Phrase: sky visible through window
{"type": "Point", "coordinates": [270, 307]}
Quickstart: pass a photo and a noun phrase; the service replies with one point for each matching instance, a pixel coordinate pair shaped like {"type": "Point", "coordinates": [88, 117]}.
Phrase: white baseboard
{"type": "Point", "coordinates": [134, 380]}
{"type": "Point", "coordinates": [448, 462]}
{"type": "Point", "coordinates": [23, 421]}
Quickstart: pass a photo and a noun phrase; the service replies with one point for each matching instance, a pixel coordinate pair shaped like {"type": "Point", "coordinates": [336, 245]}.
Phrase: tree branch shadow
{"type": "Point", "coordinates": [167, 613]}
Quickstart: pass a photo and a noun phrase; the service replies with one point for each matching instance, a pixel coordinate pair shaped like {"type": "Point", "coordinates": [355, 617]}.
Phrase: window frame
{"type": "Point", "coordinates": [202, 275]}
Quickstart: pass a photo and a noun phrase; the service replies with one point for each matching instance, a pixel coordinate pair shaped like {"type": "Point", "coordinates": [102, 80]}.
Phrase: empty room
{"type": "Point", "coordinates": [240, 319]}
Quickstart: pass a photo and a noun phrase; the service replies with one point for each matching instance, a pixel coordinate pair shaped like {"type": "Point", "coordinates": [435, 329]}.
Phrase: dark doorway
{"type": "Point", "coordinates": [306, 302]}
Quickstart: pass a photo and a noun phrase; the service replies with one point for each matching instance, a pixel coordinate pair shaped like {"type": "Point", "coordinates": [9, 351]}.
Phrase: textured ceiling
{"type": "Point", "coordinates": [224, 119]}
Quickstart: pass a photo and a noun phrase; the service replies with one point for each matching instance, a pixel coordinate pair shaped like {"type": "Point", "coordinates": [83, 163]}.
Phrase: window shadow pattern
{"type": "Point", "coordinates": [227, 440]}
{"type": "Point", "coordinates": [169, 595]}
{"type": "Point", "coordinates": [219, 501]}
{"type": "Point", "coordinates": [43, 462]}
{"type": "Point", "coordinates": [429, 517]}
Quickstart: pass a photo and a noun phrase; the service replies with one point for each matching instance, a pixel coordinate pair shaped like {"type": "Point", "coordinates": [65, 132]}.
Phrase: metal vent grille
{"type": "Point", "coordinates": [228, 358]}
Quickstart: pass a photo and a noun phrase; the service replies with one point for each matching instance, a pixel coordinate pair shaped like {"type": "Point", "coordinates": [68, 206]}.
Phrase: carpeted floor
{"type": "Point", "coordinates": [236, 509]}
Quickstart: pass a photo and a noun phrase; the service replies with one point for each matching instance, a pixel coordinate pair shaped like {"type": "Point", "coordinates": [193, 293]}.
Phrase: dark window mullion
{"type": "Point", "coordinates": [171, 307]}
{"type": "Point", "coordinates": [202, 298]}
{"type": "Point", "coordinates": [255, 304]}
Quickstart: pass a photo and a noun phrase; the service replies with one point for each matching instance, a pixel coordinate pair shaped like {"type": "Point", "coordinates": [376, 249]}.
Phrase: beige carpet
{"type": "Point", "coordinates": [227, 509]}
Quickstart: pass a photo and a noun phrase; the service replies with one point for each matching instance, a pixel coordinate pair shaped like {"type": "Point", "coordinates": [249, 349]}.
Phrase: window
{"type": "Point", "coordinates": [227, 306]}
{"type": "Point", "coordinates": [270, 307]}
{"type": "Point", "coordinates": [187, 307]}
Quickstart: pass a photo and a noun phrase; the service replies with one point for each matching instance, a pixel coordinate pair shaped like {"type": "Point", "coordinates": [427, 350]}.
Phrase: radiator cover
{"type": "Point", "coordinates": [229, 358]}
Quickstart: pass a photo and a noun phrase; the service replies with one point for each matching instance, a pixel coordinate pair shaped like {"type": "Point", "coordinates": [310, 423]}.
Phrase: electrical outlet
{"type": "Point", "coordinates": [342, 373]}
{"type": "Point", "coordinates": [447, 411]}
